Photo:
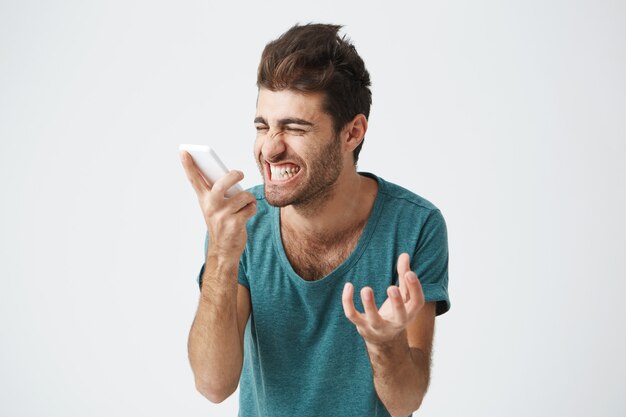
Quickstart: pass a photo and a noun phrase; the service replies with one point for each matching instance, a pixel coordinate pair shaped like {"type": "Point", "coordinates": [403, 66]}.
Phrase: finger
{"type": "Point", "coordinates": [225, 182]}
{"type": "Point", "coordinates": [249, 210]}
{"type": "Point", "coordinates": [417, 294]}
{"type": "Point", "coordinates": [403, 267]}
{"type": "Point", "coordinates": [403, 264]}
{"type": "Point", "coordinates": [399, 310]}
{"type": "Point", "coordinates": [241, 201]}
{"type": "Point", "coordinates": [369, 304]}
{"type": "Point", "coordinates": [348, 305]}
{"type": "Point", "coordinates": [194, 176]}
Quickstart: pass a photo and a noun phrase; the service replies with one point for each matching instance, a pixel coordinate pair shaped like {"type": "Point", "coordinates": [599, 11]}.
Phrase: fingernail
{"type": "Point", "coordinates": [367, 295]}
{"type": "Point", "coordinates": [393, 291]}
{"type": "Point", "coordinates": [412, 277]}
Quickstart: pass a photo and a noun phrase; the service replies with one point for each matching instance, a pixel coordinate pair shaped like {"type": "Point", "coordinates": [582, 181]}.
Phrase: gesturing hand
{"type": "Point", "coordinates": [379, 326]}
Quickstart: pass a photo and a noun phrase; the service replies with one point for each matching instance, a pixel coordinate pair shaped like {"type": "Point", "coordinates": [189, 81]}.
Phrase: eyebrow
{"type": "Point", "coordinates": [286, 121]}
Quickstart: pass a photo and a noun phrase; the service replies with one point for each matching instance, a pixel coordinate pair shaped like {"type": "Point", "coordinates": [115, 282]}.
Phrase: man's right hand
{"type": "Point", "coordinates": [224, 305]}
{"type": "Point", "coordinates": [225, 217]}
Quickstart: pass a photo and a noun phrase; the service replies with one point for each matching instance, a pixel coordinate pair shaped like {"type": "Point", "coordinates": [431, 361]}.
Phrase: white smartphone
{"type": "Point", "coordinates": [210, 165]}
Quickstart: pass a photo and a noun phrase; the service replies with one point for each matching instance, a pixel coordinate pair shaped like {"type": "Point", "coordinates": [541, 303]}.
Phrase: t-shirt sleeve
{"type": "Point", "coordinates": [430, 261]}
{"type": "Point", "coordinates": [241, 278]}
{"type": "Point", "coordinates": [243, 271]}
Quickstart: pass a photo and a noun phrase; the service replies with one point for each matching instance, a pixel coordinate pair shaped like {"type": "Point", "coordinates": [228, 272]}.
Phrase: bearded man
{"type": "Point", "coordinates": [277, 313]}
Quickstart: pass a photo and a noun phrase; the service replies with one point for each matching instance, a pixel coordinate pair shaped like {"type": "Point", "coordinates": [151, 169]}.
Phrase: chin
{"type": "Point", "coordinates": [277, 199]}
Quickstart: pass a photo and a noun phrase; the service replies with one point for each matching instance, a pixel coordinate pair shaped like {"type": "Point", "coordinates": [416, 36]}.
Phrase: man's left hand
{"type": "Point", "coordinates": [381, 326]}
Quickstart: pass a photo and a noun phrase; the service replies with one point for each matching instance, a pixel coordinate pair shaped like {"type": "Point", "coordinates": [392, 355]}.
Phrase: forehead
{"type": "Point", "coordinates": [283, 104]}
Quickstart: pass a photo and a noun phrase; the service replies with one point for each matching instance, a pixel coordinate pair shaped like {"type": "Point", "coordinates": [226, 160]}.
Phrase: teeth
{"type": "Point", "coordinates": [283, 173]}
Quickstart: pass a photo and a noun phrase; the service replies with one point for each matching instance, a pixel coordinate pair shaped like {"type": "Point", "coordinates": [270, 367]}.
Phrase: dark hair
{"type": "Point", "coordinates": [314, 58]}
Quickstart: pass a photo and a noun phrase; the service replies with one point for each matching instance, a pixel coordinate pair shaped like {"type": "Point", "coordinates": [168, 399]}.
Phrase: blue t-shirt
{"type": "Point", "coordinates": [302, 356]}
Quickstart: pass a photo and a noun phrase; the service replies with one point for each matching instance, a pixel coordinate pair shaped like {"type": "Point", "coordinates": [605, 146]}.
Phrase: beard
{"type": "Point", "coordinates": [322, 172]}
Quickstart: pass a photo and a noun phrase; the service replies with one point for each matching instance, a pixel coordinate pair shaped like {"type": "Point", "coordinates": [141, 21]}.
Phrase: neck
{"type": "Point", "coordinates": [346, 206]}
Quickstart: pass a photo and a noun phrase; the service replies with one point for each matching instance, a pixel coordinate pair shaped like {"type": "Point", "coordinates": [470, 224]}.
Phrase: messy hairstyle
{"type": "Point", "coordinates": [314, 58]}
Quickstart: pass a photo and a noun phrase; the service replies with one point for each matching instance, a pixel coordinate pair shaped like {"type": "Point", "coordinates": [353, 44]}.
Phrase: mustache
{"type": "Point", "coordinates": [277, 159]}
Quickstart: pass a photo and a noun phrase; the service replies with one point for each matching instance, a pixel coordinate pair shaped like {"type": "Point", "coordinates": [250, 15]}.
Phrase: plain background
{"type": "Point", "coordinates": [509, 116]}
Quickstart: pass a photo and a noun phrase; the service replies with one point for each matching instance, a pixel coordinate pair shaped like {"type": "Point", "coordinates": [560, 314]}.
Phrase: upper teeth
{"type": "Point", "coordinates": [283, 172]}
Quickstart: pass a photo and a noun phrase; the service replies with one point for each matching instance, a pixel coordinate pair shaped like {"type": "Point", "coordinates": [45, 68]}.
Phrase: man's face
{"type": "Point", "coordinates": [296, 148]}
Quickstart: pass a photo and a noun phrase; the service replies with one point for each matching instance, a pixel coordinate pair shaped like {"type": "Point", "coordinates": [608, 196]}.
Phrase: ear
{"type": "Point", "coordinates": [354, 132]}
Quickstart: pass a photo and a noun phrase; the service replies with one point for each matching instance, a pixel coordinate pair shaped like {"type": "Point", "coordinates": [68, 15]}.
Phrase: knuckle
{"type": "Point", "coordinates": [350, 314]}
{"type": "Point", "coordinates": [232, 177]}
{"type": "Point", "coordinates": [206, 201]}
{"type": "Point", "coordinates": [375, 324]}
{"type": "Point", "coordinates": [243, 201]}
{"type": "Point", "coordinates": [399, 306]}
{"type": "Point", "coordinates": [399, 326]}
{"type": "Point", "coordinates": [218, 187]}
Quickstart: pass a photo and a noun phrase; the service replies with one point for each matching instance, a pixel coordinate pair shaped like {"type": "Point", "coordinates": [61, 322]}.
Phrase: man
{"type": "Point", "coordinates": [277, 312]}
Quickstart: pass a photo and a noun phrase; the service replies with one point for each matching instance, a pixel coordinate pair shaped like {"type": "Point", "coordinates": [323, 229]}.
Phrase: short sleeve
{"type": "Point", "coordinates": [241, 278]}
{"type": "Point", "coordinates": [430, 261]}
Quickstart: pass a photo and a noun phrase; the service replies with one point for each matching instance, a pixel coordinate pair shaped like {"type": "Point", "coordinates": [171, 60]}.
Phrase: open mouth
{"type": "Point", "coordinates": [281, 172]}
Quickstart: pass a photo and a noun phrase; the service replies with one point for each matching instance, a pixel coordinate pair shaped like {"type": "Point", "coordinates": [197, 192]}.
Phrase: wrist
{"type": "Point", "coordinates": [399, 345]}
{"type": "Point", "coordinates": [220, 274]}
{"type": "Point", "coordinates": [222, 260]}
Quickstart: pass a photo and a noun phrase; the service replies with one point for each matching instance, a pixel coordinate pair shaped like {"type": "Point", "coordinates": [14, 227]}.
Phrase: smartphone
{"type": "Point", "coordinates": [210, 165]}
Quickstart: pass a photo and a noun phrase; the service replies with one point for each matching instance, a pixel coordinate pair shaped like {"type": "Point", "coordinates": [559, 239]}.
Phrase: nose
{"type": "Point", "coordinates": [273, 146]}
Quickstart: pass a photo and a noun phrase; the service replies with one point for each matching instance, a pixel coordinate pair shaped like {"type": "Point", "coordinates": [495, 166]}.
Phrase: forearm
{"type": "Point", "coordinates": [215, 348]}
{"type": "Point", "coordinates": [401, 375]}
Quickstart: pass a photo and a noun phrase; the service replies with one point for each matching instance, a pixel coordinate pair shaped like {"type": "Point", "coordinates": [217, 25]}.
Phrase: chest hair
{"type": "Point", "coordinates": [313, 259]}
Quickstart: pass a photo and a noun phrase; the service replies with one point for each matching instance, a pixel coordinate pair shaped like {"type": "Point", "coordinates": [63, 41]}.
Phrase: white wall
{"type": "Point", "coordinates": [510, 116]}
